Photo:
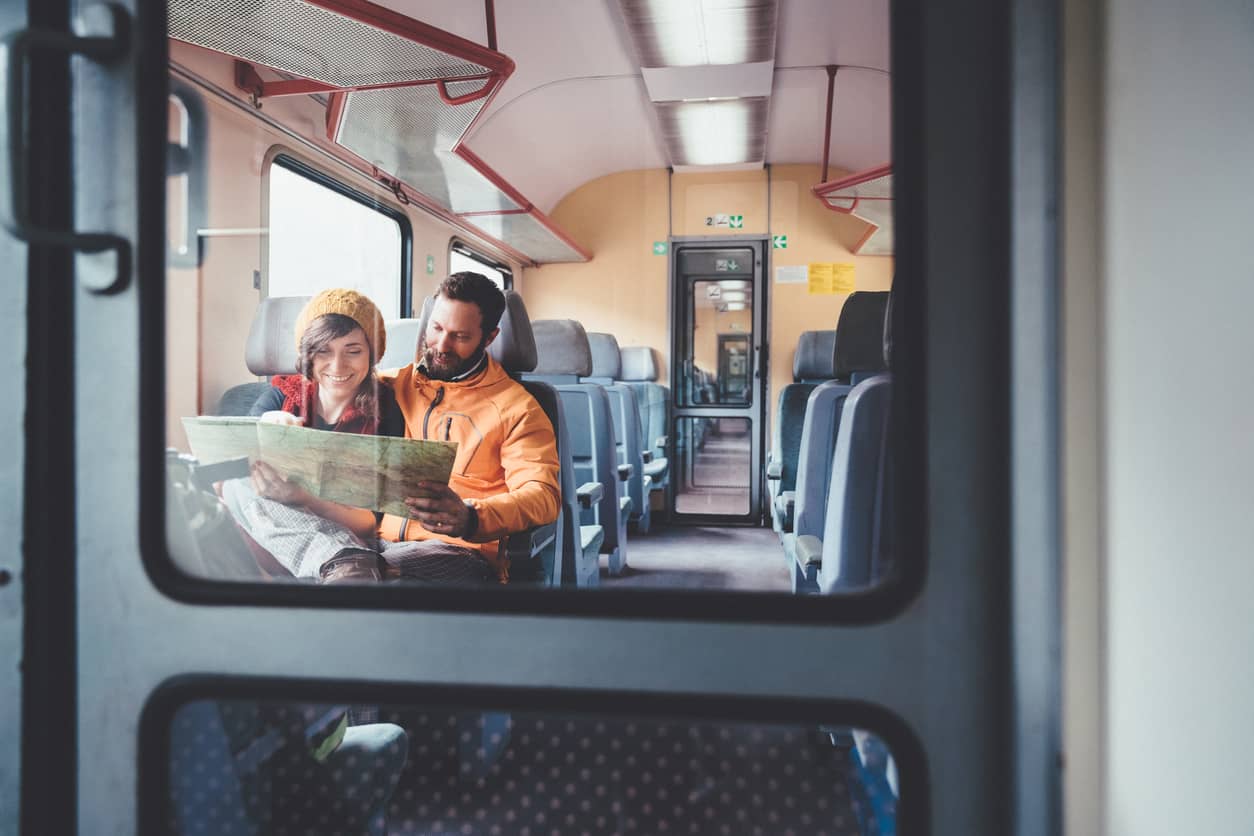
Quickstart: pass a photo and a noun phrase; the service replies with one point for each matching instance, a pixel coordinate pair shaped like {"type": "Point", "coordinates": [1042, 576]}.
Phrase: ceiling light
{"type": "Point", "coordinates": [734, 284]}
{"type": "Point", "coordinates": [735, 296]}
{"type": "Point", "coordinates": [714, 133]}
{"type": "Point", "coordinates": [734, 306]}
{"type": "Point", "coordinates": [685, 33]}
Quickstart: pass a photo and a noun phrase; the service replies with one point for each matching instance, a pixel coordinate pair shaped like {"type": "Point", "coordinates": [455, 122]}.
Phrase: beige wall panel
{"type": "Point", "coordinates": [623, 290]}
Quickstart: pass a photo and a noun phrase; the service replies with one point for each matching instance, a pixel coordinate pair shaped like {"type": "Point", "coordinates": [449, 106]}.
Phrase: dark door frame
{"type": "Point", "coordinates": [681, 314]}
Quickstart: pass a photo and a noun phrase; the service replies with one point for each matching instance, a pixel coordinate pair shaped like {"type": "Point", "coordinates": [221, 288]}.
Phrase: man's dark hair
{"type": "Point", "coordinates": [478, 288]}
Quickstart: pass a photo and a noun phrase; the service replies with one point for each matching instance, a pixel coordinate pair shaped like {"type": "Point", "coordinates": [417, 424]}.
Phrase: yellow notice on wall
{"type": "Point", "coordinates": [820, 276]}
{"type": "Point", "coordinates": [828, 278]}
{"type": "Point", "coordinates": [842, 278]}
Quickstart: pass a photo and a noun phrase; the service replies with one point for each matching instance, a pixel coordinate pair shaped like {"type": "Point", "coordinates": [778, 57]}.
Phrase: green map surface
{"type": "Point", "coordinates": [365, 471]}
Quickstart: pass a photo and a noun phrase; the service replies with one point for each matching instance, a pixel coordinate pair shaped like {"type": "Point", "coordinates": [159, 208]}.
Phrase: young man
{"type": "Point", "coordinates": [505, 477]}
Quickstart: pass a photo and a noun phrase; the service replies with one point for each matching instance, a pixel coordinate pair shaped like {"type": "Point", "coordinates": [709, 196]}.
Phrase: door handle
{"type": "Point", "coordinates": [110, 46]}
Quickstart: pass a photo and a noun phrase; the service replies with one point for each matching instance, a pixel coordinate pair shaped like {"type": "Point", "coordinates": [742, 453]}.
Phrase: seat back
{"type": "Point", "coordinates": [857, 532]}
{"type": "Point", "coordinates": [813, 362]}
{"type": "Point", "coordinates": [270, 350]}
{"type": "Point", "coordinates": [403, 336]}
{"type": "Point", "coordinates": [861, 325]}
{"type": "Point", "coordinates": [515, 349]}
{"type": "Point", "coordinates": [563, 357]}
{"type": "Point", "coordinates": [606, 371]}
{"type": "Point", "coordinates": [639, 370]}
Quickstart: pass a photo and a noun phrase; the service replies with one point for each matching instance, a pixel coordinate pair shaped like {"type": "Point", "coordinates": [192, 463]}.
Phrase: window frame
{"type": "Point", "coordinates": [459, 246]}
{"type": "Point", "coordinates": [295, 164]}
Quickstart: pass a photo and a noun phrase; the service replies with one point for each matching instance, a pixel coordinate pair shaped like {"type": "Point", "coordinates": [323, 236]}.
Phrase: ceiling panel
{"type": "Point", "coordinates": [540, 143]}
{"type": "Point", "coordinates": [820, 32]}
{"type": "Point", "coordinates": [861, 118]}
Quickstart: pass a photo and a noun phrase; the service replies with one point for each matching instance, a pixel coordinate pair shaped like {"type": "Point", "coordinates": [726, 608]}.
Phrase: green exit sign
{"type": "Point", "coordinates": [659, 248]}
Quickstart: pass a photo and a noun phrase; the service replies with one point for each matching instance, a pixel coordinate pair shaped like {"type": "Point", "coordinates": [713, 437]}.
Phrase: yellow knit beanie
{"type": "Point", "coordinates": [351, 304]}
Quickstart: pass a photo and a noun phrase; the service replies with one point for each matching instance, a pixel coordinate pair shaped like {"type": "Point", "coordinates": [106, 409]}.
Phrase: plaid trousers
{"type": "Point", "coordinates": [302, 541]}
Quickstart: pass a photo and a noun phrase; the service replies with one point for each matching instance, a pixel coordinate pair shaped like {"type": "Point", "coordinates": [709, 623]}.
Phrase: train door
{"type": "Point", "coordinates": [118, 647]}
{"type": "Point", "coordinates": [719, 388]}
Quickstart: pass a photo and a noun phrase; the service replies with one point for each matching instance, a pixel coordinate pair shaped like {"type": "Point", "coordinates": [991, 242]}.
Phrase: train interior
{"type": "Point", "coordinates": [690, 208]}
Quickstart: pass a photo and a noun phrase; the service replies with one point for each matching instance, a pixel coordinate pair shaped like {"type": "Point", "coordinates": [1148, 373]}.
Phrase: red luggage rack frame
{"type": "Point", "coordinates": [385, 29]}
{"type": "Point", "coordinates": [829, 193]}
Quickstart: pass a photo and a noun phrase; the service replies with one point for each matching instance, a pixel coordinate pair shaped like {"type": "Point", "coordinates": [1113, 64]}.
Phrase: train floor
{"type": "Point", "coordinates": [703, 557]}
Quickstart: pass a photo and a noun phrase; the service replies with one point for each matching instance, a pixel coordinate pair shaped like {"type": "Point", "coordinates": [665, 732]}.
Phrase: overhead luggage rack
{"type": "Point", "coordinates": [868, 196]}
{"type": "Point", "coordinates": [403, 96]}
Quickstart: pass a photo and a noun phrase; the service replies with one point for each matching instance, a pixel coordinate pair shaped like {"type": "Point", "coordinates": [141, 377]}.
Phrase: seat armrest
{"type": "Point", "coordinates": [625, 471]}
{"type": "Point", "coordinates": [775, 470]}
{"type": "Point", "coordinates": [589, 493]}
{"type": "Point", "coordinates": [662, 441]}
{"type": "Point", "coordinates": [785, 506]}
{"type": "Point", "coordinates": [647, 456]}
{"type": "Point", "coordinates": [809, 550]}
{"type": "Point", "coordinates": [524, 544]}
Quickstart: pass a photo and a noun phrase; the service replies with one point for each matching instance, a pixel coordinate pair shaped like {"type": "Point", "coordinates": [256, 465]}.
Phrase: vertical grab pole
{"type": "Point", "coordinates": [827, 130]}
{"type": "Point", "coordinates": [490, 11]}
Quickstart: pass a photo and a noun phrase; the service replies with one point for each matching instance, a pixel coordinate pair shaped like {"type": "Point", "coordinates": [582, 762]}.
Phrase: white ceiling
{"type": "Point", "coordinates": [575, 108]}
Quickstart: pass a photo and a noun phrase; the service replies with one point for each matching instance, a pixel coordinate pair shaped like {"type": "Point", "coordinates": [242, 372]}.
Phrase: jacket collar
{"type": "Point", "coordinates": [487, 371]}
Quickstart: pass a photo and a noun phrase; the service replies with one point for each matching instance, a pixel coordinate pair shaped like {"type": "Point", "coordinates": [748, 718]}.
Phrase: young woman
{"type": "Point", "coordinates": [340, 335]}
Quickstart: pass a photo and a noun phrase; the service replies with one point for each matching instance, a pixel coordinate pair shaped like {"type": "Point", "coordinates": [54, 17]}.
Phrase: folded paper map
{"type": "Point", "coordinates": [365, 471]}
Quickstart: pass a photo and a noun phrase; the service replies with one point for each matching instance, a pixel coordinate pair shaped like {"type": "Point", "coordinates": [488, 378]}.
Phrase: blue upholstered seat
{"type": "Point", "coordinates": [813, 362]}
{"type": "Point", "coordinates": [854, 549]}
{"type": "Point", "coordinates": [563, 357]}
{"type": "Point", "coordinates": [606, 370]}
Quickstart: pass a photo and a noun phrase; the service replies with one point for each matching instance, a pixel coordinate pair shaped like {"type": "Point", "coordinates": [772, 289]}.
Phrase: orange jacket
{"type": "Point", "coordinates": [506, 461]}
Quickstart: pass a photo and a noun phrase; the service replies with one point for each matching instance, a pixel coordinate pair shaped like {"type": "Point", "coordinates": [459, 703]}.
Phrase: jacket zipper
{"type": "Point", "coordinates": [439, 396]}
{"type": "Point", "coordinates": [448, 427]}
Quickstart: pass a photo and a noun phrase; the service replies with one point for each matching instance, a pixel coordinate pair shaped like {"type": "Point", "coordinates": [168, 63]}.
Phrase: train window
{"type": "Point", "coordinates": [461, 257]}
{"type": "Point", "coordinates": [324, 234]}
{"type": "Point", "coordinates": [245, 766]}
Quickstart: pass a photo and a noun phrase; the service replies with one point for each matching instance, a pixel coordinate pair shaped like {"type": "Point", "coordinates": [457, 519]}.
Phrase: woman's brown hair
{"type": "Point", "coordinates": [331, 327]}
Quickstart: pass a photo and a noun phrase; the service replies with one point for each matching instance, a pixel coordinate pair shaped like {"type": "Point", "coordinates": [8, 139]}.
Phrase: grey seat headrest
{"type": "Point", "coordinates": [815, 357]}
{"type": "Point", "coordinates": [271, 347]}
{"type": "Point", "coordinates": [514, 347]}
{"type": "Point", "coordinates": [606, 360]}
{"type": "Point", "coordinates": [639, 364]}
{"type": "Point", "coordinates": [860, 334]}
{"type": "Point", "coordinates": [562, 347]}
{"type": "Point", "coordinates": [403, 337]}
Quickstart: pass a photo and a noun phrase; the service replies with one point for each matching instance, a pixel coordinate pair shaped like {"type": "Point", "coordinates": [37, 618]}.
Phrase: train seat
{"type": "Point", "coordinates": [563, 357]}
{"type": "Point", "coordinates": [403, 339]}
{"type": "Point", "coordinates": [639, 370]}
{"type": "Point", "coordinates": [858, 349]}
{"type": "Point", "coordinates": [606, 371]}
{"type": "Point", "coordinates": [854, 549]}
{"type": "Point", "coordinates": [270, 350]}
{"type": "Point", "coordinates": [813, 362]}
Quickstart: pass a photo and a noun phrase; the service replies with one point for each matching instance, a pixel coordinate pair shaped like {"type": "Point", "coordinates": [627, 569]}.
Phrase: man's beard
{"type": "Point", "coordinates": [443, 370]}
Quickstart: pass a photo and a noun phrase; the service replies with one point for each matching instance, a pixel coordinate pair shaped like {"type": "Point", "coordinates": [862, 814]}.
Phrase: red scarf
{"type": "Point", "coordinates": [299, 395]}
